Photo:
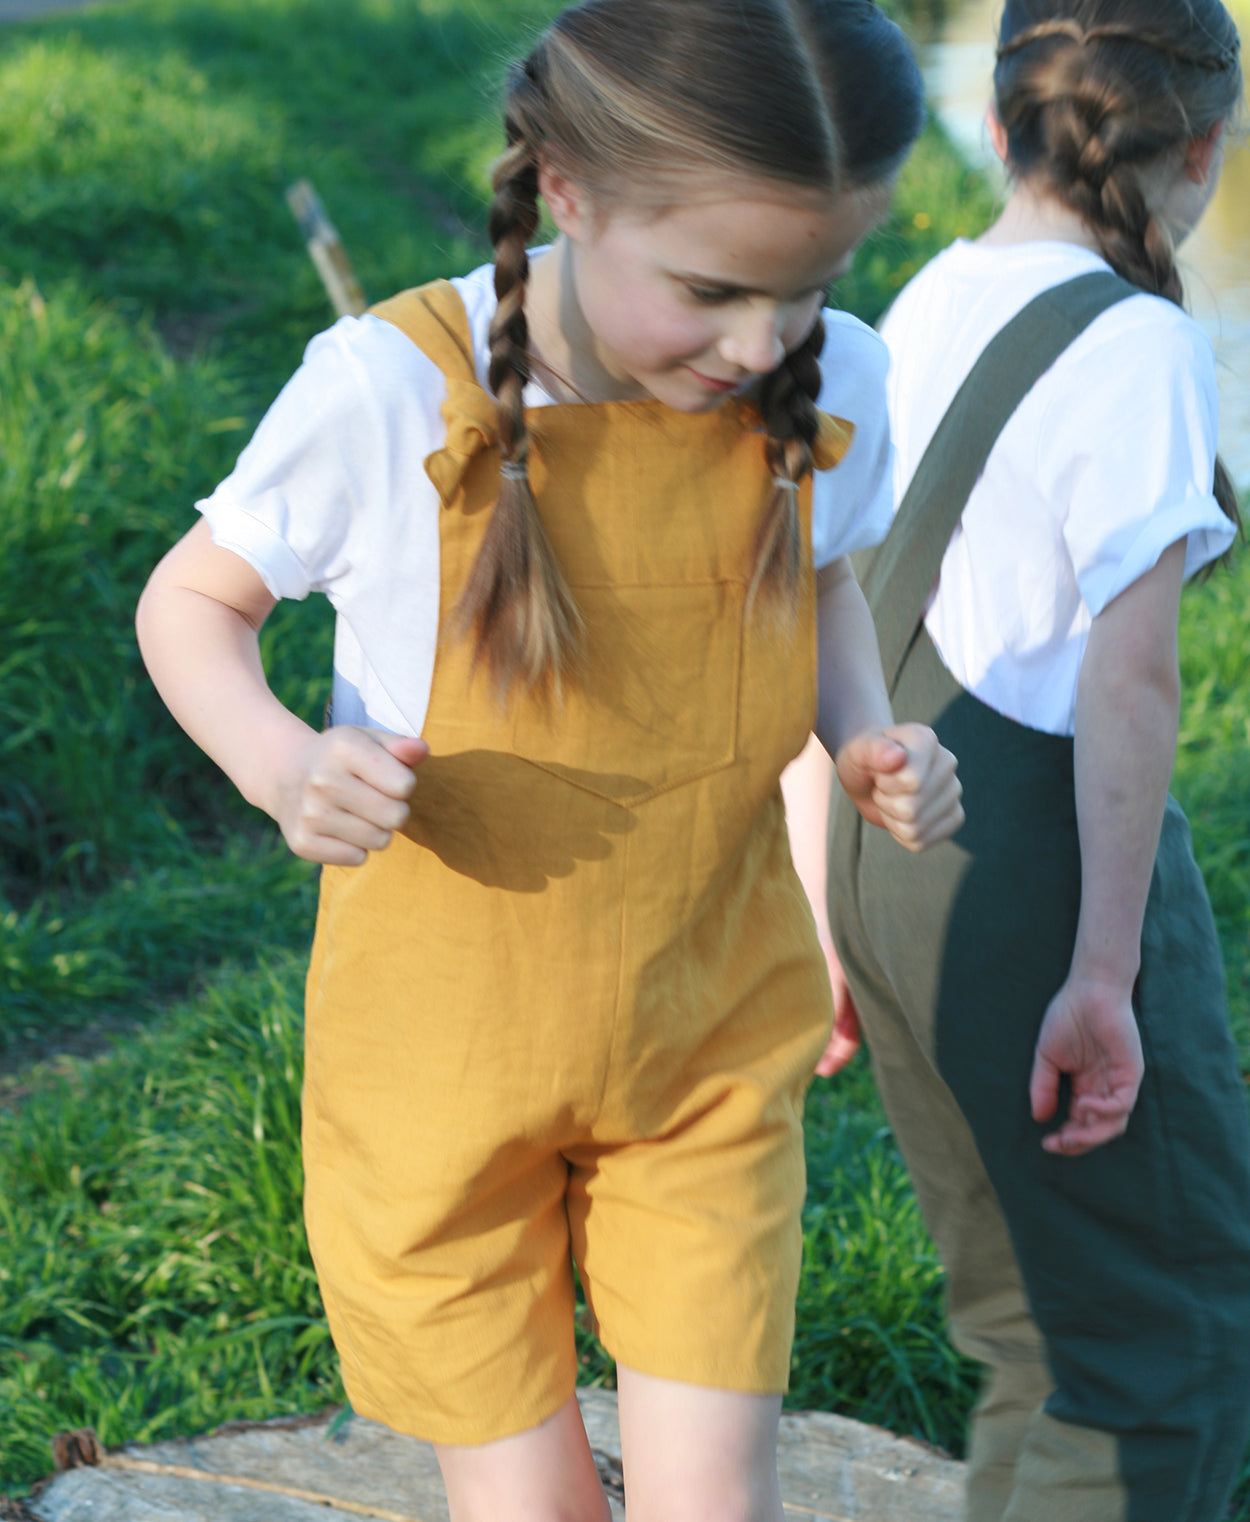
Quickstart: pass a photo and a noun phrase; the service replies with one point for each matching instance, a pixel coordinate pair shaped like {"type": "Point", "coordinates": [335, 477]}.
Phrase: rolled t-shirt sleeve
{"type": "Point", "coordinates": [296, 506]}
{"type": "Point", "coordinates": [1133, 457]}
{"type": "Point", "coordinates": [852, 504]}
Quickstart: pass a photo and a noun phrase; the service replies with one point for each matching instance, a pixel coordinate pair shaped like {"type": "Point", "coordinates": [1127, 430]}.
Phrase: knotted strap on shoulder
{"type": "Point", "coordinates": [434, 318]}
{"type": "Point", "coordinates": [833, 439]}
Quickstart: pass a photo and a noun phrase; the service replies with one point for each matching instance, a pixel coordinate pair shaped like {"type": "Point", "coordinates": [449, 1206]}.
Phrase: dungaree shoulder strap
{"type": "Point", "coordinates": [434, 318]}
{"type": "Point", "coordinates": [901, 572]}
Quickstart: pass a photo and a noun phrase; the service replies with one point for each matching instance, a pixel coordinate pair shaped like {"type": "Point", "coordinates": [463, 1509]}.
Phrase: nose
{"type": "Point", "coordinates": [753, 338]}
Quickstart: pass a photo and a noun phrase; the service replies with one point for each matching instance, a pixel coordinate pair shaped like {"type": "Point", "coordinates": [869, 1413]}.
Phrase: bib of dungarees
{"type": "Point", "coordinates": [587, 956]}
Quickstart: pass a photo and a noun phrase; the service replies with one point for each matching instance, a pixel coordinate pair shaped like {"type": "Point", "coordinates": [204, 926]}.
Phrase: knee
{"type": "Point", "coordinates": [561, 1502]}
{"type": "Point", "coordinates": [697, 1454]}
{"type": "Point", "coordinates": [708, 1500]}
{"type": "Point", "coordinates": [544, 1474]}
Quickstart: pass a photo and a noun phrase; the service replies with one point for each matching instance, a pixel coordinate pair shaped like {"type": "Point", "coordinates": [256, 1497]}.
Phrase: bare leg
{"type": "Point", "coordinates": [544, 1475]}
{"type": "Point", "coordinates": [693, 1454]}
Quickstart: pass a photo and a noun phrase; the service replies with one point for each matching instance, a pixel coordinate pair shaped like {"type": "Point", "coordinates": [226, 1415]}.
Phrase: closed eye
{"type": "Point", "coordinates": [713, 295]}
{"type": "Point", "coordinates": [722, 295]}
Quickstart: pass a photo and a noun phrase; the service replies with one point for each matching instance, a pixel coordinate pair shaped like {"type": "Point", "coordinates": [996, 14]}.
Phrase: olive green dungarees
{"type": "Point", "coordinates": [1108, 1294]}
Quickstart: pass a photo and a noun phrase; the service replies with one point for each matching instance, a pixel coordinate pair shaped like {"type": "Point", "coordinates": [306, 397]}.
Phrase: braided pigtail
{"type": "Point", "coordinates": [1089, 141]}
{"type": "Point", "coordinates": [524, 622]}
{"type": "Point", "coordinates": [1094, 101]}
{"type": "Point", "coordinates": [788, 403]}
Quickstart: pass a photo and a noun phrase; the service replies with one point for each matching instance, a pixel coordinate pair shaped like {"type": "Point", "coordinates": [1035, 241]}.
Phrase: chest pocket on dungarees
{"type": "Point", "coordinates": [660, 703]}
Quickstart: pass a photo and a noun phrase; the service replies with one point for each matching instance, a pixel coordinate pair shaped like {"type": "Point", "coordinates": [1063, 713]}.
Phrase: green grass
{"type": "Point", "coordinates": [155, 1277]}
{"type": "Point", "coordinates": [154, 294]}
{"type": "Point", "coordinates": [869, 1321]}
{"type": "Point", "coordinates": [1212, 778]}
{"type": "Point", "coordinates": [1212, 781]}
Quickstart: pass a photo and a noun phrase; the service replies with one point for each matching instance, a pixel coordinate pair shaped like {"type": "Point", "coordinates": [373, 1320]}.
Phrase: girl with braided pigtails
{"type": "Point", "coordinates": [578, 519]}
{"type": "Point", "coordinates": [1043, 995]}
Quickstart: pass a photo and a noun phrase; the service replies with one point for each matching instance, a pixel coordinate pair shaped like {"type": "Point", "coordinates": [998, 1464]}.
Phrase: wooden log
{"type": "Point", "coordinates": [831, 1470]}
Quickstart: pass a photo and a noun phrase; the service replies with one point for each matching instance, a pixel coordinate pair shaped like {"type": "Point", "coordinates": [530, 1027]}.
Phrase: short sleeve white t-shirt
{"type": "Point", "coordinates": [1107, 461]}
{"type": "Point", "coordinates": [331, 494]}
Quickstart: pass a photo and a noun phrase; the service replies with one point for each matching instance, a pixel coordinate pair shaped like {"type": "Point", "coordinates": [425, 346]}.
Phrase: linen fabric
{"type": "Point", "coordinates": [333, 485]}
{"type": "Point", "coordinates": [570, 1014]}
{"type": "Point", "coordinates": [1108, 461]}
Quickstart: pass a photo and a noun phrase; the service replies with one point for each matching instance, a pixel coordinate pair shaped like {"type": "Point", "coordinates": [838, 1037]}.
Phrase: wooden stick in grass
{"type": "Point", "coordinates": [326, 250]}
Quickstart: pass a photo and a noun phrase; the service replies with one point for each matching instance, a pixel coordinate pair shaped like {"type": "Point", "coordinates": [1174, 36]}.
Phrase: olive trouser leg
{"type": "Point", "coordinates": [1136, 1257]}
{"type": "Point", "coordinates": [986, 1302]}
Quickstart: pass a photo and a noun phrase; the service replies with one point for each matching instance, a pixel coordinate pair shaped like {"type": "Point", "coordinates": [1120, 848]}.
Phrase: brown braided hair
{"type": "Point", "coordinates": [516, 603]}
{"type": "Point", "coordinates": [788, 404]}
{"type": "Point", "coordinates": [1095, 94]}
{"type": "Point", "coordinates": [637, 100]}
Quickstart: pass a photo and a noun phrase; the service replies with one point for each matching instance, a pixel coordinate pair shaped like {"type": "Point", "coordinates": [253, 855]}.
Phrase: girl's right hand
{"type": "Point", "coordinates": [346, 792]}
{"type": "Point", "coordinates": [335, 795]}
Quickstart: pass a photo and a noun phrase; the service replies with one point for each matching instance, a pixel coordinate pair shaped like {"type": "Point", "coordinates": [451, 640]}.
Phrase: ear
{"type": "Point", "coordinates": [1200, 153]}
{"type": "Point", "coordinates": [997, 132]}
{"type": "Point", "coordinates": [566, 201]}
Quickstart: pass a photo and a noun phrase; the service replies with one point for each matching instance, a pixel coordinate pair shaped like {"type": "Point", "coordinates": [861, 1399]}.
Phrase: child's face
{"type": "Point", "coordinates": [692, 304]}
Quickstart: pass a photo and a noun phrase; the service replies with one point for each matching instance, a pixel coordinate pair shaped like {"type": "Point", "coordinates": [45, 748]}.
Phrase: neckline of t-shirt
{"type": "Point", "coordinates": [1053, 250]}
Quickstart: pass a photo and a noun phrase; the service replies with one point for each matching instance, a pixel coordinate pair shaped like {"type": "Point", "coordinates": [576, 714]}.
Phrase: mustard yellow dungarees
{"type": "Point", "coordinates": [572, 1011]}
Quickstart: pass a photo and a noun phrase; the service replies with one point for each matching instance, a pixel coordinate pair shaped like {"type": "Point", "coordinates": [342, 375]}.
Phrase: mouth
{"type": "Point", "coordinates": [713, 383]}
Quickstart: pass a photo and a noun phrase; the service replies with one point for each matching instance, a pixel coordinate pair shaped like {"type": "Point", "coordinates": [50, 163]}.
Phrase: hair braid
{"type": "Point", "coordinates": [1095, 145]}
{"type": "Point", "coordinates": [788, 403]}
{"type": "Point", "coordinates": [1093, 101]}
{"type": "Point", "coordinates": [525, 623]}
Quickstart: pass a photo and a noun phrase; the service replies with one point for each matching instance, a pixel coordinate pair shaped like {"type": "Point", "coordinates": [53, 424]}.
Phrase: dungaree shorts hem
{"type": "Point", "coordinates": [762, 1376]}
{"type": "Point", "coordinates": [432, 1425]}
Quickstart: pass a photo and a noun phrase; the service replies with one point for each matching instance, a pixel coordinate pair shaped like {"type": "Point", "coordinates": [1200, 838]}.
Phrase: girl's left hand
{"type": "Point", "coordinates": [903, 779]}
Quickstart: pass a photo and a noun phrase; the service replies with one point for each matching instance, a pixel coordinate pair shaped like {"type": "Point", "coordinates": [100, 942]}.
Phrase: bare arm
{"type": "Point", "coordinates": [1127, 712]}
{"type": "Point", "coordinates": [335, 795]}
{"type": "Point", "coordinates": [805, 786]}
{"type": "Point", "coordinates": [897, 775]}
{"type": "Point", "coordinates": [851, 696]}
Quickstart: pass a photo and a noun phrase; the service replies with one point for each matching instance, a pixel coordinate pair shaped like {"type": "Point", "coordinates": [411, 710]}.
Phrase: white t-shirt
{"type": "Point", "coordinates": [331, 493]}
{"type": "Point", "coordinates": [1107, 461]}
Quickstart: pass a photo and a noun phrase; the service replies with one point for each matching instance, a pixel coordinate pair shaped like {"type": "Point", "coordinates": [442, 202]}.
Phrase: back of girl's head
{"type": "Point", "coordinates": [1099, 100]}
{"type": "Point", "coordinates": [647, 104]}
{"type": "Point", "coordinates": [1096, 95]}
